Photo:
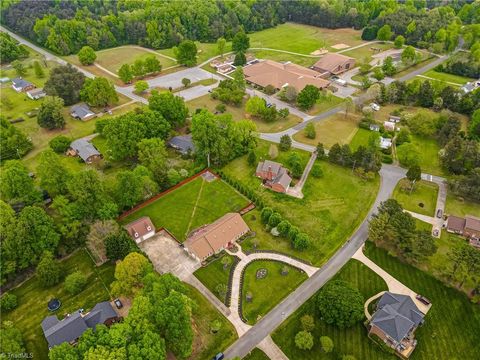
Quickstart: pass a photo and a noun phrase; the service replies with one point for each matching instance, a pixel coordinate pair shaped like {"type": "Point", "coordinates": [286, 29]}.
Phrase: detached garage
{"type": "Point", "coordinates": [141, 229]}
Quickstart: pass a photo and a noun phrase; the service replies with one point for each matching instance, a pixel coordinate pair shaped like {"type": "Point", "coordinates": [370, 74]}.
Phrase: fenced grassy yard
{"type": "Point", "coordinates": [190, 206]}
{"type": "Point", "coordinates": [269, 291]}
{"type": "Point", "coordinates": [33, 298]}
{"type": "Point", "coordinates": [451, 326]}
{"type": "Point", "coordinates": [332, 208]}
{"type": "Point", "coordinates": [334, 129]}
{"type": "Point", "coordinates": [424, 192]}
{"type": "Point", "coordinates": [238, 113]}
{"type": "Point", "coordinates": [351, 341]}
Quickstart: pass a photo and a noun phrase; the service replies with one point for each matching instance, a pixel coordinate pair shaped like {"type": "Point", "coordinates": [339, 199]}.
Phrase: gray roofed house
{"type": "Point", "coordinates": [395, 321]}
{"type": "Point", "coordinates": [19, 84]}
{"type": "Point", "coordinates": [81, 112]}
{"type": "Point", "coordinates": [74, 325]}
{"type": "Point", "coordinates": [273, 175]}
{"type": "Point", "coordinates": [470, 86]}
{"type": "Point", "coordinates": [85, 150]}
{"type": "Point", "coordinates": [36, 94]}
{"type": "Point", "coordinates": [182, 143]}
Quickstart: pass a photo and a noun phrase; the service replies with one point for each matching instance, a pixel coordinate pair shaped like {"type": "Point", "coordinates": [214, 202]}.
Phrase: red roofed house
{"type": "Point", "coordinates": [215, 237]}
{"type": "Point", "coordinates": [469, 227]}
{"type": "Point", "coordinates": [333, 64]}
{"type": "Point", "coordinates": [141, 229]}
{"type": "Point", "coordinates": [273, 175]}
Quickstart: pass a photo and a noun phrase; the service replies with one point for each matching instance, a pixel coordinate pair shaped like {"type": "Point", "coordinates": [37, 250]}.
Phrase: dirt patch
{"type": "Point", "coordinates": [340, 46]}
{"type": "Point", "coordinates": [319, 52]}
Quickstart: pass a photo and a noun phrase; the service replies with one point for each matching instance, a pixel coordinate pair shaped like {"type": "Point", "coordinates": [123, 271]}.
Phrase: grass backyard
{"type": "Point", "coordinates": [438, 338]}
{"type": "Point", "coordinates": [256, 354]}
{"type": "Point", "coordinates": [306, 61]}
{"type": "Point", "coordinates": [267, 292]}
{"type": "Point", "coordinates": [363, 137]}
{"type": "Point", "coordinates": [335, 129]}
{"type": "Point", "coordinates": [205, 51]}
{"type": "Point", "coordinates": [205, 343]}
{"type": "Point", "coordinates": [425, 192]}
{"type": "Point", "coordinates": [364, 54]}
{"type": "Point", "coordinates": [445, 77]}
{"type": "Point", "coordinates": [325, 103]}
{"type": "Point", "coordinates": [238, 113]}
{"type": "Point", "coordinates": [461, 207]}
{"type": "Point", "coordinates": [350, 341]}
{"type": "Point", "coordinates": [215, 274]}
{"type": "Point", "coordinates": [194, 204]}
{"type": "Point", "coordinates": [428, 158]}
{"type": "Point", "coordinates": [332, 208]}
{"type": "Point", "coordinates": [33, 299]}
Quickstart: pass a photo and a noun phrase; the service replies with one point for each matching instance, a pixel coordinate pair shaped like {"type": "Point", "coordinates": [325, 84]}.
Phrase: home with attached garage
{"type": "Point", "coordinates": [140, 229]}
{"type": "Point", "coordinates": [333, 64]}
{"type": "Point", "coordinates": [273, 175]}
{"type": "Point", "coordinates": [21, 85]}
{"type": "Point", "coordinates": [36, 94]}
{"type": "Point", "coordinates": [469, 227]}
{"type": "Point", "coordinates": [85, 150]}
{"type": "Point", "coordinates": [210, 239]}
{"type": "Point", "coordinates": [81, 112]}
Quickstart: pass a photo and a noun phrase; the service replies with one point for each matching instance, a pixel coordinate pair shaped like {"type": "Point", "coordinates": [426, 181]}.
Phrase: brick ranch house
{"type": "Point", "coordinates": [212, 238]}
{"type": "Point", "coordinates": [469, 227]}
{"type": "Point", "coordinates": [333, 64]}
{"type": "Point", "coordinates": [273, 175]}
{"type": "Point", "coordinates": [395, 321]}
{"type": "Point", "coordinates": [140, 229]}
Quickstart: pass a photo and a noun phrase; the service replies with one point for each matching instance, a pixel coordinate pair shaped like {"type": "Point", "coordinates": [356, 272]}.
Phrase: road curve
{"type": "Point", "coordinates": [390, 175]}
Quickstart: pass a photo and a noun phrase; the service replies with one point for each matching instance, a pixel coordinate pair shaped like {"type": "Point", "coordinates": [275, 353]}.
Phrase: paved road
{"type": "Point", "coordinates": [390, 175]}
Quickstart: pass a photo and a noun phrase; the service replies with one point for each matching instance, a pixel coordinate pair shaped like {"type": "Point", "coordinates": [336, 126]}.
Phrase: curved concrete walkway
{"type": "Point", "coordinates": [365, 306]}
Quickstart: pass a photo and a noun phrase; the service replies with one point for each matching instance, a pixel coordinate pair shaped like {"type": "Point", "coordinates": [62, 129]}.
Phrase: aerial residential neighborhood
{"type": "Point", "coordinates": [240, 180]}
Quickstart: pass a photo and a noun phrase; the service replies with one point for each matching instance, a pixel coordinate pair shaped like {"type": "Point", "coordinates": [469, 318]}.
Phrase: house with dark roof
{"type": "Point", "coordinates": [74, 325]}
{"type": "Point", "coordinates": [36, 94]}
{"type": "Point", "coordinates": [212, 238]}
{"type": "Point", "coordinates": [140, 229]}
{"type": "Point", "coordinates": [395, 321]}
{"type": "Point", "coordinates": [85, 150]}
{"type": "Point", "coordinates": [333, 64]}
{"type": "Point", "coordinates": [182, 143]}
{"type": "Point", "coordinates": [81, 112]}
{"type": "Point", "coordinates": [273, 175]}
{"type": "Point", "coordinates": [21, 85]}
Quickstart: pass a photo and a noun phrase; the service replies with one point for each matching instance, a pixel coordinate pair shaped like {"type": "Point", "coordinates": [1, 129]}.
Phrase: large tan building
{"type": "Point", "coordinates": [333, 64]}
{"type": "Point", "coordinates": [280, 75]}
{"type": "Point", "coordinates": [215, 237]}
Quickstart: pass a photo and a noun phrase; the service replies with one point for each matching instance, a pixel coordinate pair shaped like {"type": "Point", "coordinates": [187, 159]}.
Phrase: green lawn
{"type": "Point", "coordinates": [238, 113]}
{"type": "Point", "coordinates": [325, 103]}
{"type": "Point", "coordinates": [428, 158]}
{"type": "Point", "coordinates": [456, 79]}
{"type": "Point", "coordinates": [269, 291]}
{"type": "Point", "coordinates": [362, 138]}
{"type": "Point", "coordinates": [194, 204]}
{"type": "Point", "coordinates": [332, 208]}
{"type": "Point", "coordinates": [303, 39]}
{"type": "Point", "coordinates": [335, 129]}
{"type": "Point", "coordinates": [205, 343]}
{"type": "Point", "coordinates": [364, 54]}
{"type": "Point", "coordinates": [256, 354]}
{"type": "Point", "coordinates": [33, 299]}
{"type": "Point", "coordinates": [422, 225]}
{"type": "Point", "coordinates": [425, 192]}
{"type": "Point", "coordinates": [306, 61]}
{"type": "Point", "coordinates": [461, 207]}
{"type": "Point", "coordinates": [351, 341]}
{"type": "Point", "coordinates": [205, 51]}
{"type": "Point", "coordinates": [453, 323]}
{"type": "Point", "coordinates": [214, 274]}
{"type": "Point", "coordinates": [113, 59]}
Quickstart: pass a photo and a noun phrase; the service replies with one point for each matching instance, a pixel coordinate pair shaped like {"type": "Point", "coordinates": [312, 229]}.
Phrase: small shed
{"type": "Point", "coordinates": [4, 80]}
{"type": "Point", "coordinates": [141, 229]}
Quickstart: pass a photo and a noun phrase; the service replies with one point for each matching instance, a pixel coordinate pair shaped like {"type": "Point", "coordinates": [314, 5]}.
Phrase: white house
{"type": "Point", "coordinates": [385, 143]}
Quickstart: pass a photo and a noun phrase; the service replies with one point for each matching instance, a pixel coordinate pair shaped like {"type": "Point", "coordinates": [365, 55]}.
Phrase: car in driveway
{"type": "Point", "coordinates": [219, 356]}
{"type": "Point", "coordinates": [439, 213]}
{"type": "Point", "coordinates": [435, 232]}
{"type": "Point", "coordinates": [375, 106]}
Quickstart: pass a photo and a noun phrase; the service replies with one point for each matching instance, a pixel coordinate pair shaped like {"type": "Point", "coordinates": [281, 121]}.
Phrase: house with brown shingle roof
{"type": "Point", "coordinates": [469, 227]}
{"type": "Point", "coordinates": [212, 238]}
{"type": "Point", "coordinates": [333, 64]}
{"type": "Point", "coordinates": [273, 175]}
{"type": "Point", "coordinates": [280, 75]}
{"type": "Point", "coordinates": [140, 229]}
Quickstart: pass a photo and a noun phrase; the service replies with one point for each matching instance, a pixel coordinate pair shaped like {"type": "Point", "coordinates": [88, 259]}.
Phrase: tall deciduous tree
{"type": "Point", "coordinates": [50, 114]}
{"type": "Point", "coordinates": [123, 135]}
{"type": "Point", "coordinates": [125, 73]}
{"type": "Point", "coordinates": [98, 92]}
{"type": "Point", "coordinates": [186, 53]}
{"type": "Point", "coordinates": [13, 143]}
{"type": "Point", "coordinates": [308, 97]}
{"type": "Point", "coordinates": [65, 81]}
{"type": "Point", "coordinates": [16, 185]}
{"type": "Point", "coordinates": [221, 42]}
{"type": "Point", "coordinates": [240, 42]}
{"type": "Point", "coordinates": [52, 173]}
{"type": "Point", "coordinates": [129, 274]}
{"type": "Point", "coordinates": [153, 155]}
{"type": "Point", "coordinates": [384, 33]}
{"type": "Point", "coordinates": [87, 55]}
{"type": "Point", "coordinates": [172, 107]}
{"type": "Point", "coordinates": [48, 270]}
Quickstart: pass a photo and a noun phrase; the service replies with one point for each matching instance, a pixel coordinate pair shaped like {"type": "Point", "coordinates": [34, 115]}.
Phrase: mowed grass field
{"type": "Point", "coordinates": [256, 354]}
{"type": "Point", "coordinates": [269, 291]}
{"type": "Point", "coordinates": [363, 137]}
{"type": "Point", "coordinates": [460, 207]}
{"type": "Point", "coordinates": [445, 77]}
{"type": "Point", "coordinates": [303, 39]}
{"type": "Point", "coordinates": [33, 298]}
{"type": "Point", "coordinates": [215, 274]}
{"type": "Point", "coordinates": [334, 129]}
{"type": "Point", "coordinates": [424, 192]}
{"type": "Point", "coordinates": [453, 323]}
{"type": "Point", "coordinates": [364, 54]}
{"type": "Point", "coordinates": [332, 208]}
{"type": "Point", "coordinates": [113, 59]}
{"type": "Point", "coordinates": [325, 103]}
{"type": "Point", "coordinates": [238, 113]}
{"type": "Point", "coordinates": [351, 341]}
{"type": "Point", "coordinates": [190, 206]}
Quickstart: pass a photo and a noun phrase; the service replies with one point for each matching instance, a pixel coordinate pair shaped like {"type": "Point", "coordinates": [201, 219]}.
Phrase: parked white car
{"type": "Point", "coordinates": [340, 82]}
{"type": "Point", "coordinates": [375, 107]}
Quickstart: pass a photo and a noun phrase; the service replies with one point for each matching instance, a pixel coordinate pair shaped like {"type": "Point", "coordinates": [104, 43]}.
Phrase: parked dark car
{"type": "Point", "coordinates": [219, 356]}
{"type": "Point", "coordinates": [118, 303]}
{"type": "Point", "coordinates": [439, 213]}
{"type": "Point", "coordinates": [423, 299]}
